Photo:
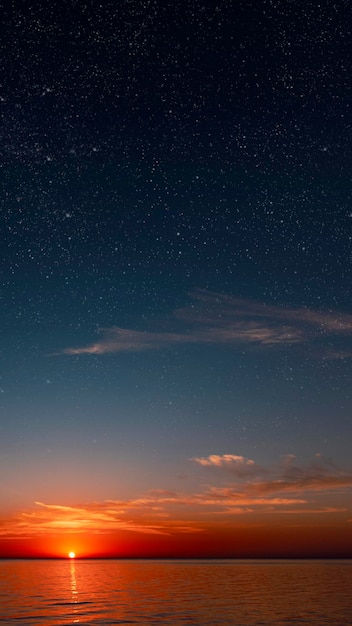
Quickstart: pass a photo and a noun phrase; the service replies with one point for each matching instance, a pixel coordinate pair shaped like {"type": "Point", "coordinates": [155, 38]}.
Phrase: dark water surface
{"type": "Point", "coordinates": [175, 592]}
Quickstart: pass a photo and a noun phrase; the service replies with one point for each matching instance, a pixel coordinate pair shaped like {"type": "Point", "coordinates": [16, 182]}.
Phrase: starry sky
{"type": "Point", "coordinates": [176, 229]}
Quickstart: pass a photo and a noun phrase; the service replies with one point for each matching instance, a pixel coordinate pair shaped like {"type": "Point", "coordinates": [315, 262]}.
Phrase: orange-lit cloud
{"type": "Point", "coordinates": [320, 475]}
{"type": "Point", "coordinates": [284, 488]}
{"type": "Point", "coordinates": [105, 517]}
{"type": "Point", "coordinates": [238, 465]}
{"type": "Point", "coordinates": [217, 319]}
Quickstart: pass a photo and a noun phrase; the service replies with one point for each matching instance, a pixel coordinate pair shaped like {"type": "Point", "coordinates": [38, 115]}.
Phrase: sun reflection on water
{"type": "Point", "coordinates": [175, 592]}
{"type": "Point", "coordinates": [74, 590]}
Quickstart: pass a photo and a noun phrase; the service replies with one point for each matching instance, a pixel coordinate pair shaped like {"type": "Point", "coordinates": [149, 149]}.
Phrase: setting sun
{"type": "Point", "coordinates": [71, 555]}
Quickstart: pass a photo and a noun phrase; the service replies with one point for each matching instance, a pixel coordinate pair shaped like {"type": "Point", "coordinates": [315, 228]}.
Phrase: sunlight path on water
{"type": "Point", "coordinates": [55, 592]}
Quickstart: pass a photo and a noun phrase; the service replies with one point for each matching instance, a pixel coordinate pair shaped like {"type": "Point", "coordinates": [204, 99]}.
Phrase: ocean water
{"type": "Point", "coordinates": [175, 592]}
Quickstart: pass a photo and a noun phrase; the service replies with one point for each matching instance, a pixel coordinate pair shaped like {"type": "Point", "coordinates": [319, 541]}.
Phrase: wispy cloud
{"type": "Point", "coordinates": [97, 518]}
{"type": "Point", "coordinates": [228, 307]}
{"type": "Point", "coordinates": [285, 477]}
{"type": "Point", "coordinates": [217, 319]}
{"type": "Point", "coordinates": [246, 489]}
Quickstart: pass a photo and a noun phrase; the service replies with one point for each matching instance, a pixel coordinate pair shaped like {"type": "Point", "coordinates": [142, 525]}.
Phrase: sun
{"type": "Point", "coordinates": [71, 555]}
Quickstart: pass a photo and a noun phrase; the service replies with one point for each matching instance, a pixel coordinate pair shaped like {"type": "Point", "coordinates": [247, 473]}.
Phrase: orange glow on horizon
{"type": "Point", "coordinates": [215, 541]}
{"type": "Point", "coordinates": [265, 518]}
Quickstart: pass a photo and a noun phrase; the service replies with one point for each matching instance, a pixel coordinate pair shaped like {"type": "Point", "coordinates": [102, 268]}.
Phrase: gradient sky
{"type": "Point", "coordinates": [176, 230]}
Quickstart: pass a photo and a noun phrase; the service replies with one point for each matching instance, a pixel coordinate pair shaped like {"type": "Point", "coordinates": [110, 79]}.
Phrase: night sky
{"type": "Point", "coordinates": [176, 229]}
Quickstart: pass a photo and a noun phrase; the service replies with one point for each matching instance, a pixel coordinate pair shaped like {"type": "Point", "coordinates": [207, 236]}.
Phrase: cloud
{"type": "Point", "coordinates": [285, 477]}
{"type": "Point", "coordinates": [238, 465]}
{"type": "Point", "coordinates": [121, 340]}
{"type": "Point", "coordinates": [303, 483]}
{"type": "Point", "coordinates": [229, 307]}
{"type": "Point", "coordinates": [97, 518]}
{"type": "Point", "coordinates": [217, 319]}
{"type": "Point", "coordinates": [247, 489]}
{"type": "Point", "coordinates": [156, 513]}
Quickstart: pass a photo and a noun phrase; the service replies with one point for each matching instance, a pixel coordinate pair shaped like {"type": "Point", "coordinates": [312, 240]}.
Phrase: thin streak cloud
{"type": "Point", "coordinates": [217, 319]}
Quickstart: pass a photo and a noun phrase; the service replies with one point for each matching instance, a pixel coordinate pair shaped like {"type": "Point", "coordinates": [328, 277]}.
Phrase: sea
{"type": "Point", "coordinates": [175, 592]}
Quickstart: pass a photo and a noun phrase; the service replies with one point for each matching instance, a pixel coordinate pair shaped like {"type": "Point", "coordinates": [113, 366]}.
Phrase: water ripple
{"type": "Point", "coordinates": [175, 593]}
